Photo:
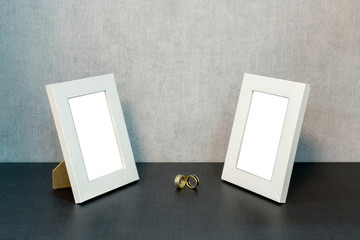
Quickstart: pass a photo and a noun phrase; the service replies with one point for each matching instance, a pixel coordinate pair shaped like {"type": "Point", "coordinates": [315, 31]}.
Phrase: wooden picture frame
{"type": "Point", "coordinates": [259, 158]}
{"type": "Point", "coordinates": [93, 137]}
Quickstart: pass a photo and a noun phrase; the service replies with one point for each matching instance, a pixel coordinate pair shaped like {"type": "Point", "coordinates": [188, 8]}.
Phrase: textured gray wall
{"type": "Point", "coordinates": [178, 66]}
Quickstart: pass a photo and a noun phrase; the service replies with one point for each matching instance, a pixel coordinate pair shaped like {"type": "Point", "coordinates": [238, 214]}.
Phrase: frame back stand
{"type": "Point", "coordinates": [60, 177]}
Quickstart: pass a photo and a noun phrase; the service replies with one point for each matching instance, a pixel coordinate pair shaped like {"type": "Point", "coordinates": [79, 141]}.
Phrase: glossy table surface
{"type": "Point", "coordinates": [323, 203]}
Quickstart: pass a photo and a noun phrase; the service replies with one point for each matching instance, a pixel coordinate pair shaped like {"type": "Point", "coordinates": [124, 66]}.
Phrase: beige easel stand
{"type": "Point", "coordinates": [60, 176]}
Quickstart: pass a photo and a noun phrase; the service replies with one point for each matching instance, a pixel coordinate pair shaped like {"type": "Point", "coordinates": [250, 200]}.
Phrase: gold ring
{"type": "Point", "coordinates": [197, 181]}
{"type": "Point", "coordinates": [180, 181]}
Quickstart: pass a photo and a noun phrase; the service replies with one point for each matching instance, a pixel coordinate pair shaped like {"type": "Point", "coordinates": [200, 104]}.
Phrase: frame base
{"type": "Point", "coordinates": [60, 177]}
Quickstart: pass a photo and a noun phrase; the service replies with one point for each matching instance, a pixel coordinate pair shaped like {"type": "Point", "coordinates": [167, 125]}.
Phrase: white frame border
{"type": "Point", "coordinates": [82, 188]}
{"type": "Point", "coordinates": [298, 94]}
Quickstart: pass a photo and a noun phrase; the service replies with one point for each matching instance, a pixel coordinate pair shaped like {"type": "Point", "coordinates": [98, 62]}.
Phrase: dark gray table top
{"type": "Point", "coordinates": [323, 203]}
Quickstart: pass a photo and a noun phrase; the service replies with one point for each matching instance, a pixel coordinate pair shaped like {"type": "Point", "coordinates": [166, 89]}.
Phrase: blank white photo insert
{"type": "Point", "coordinates": [262, 134]}
{"type": "Point", "coordinates": [95, 131]}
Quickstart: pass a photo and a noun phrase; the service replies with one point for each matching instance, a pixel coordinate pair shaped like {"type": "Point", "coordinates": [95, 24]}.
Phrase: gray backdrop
{"type": "Point", "coordinates": [179, 67]}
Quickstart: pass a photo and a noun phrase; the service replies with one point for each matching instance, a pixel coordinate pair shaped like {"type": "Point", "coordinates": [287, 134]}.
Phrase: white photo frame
{"type": "Point", "coordinates": [265, 135]}
{"type": "Point", "coordinates": [93, 135]}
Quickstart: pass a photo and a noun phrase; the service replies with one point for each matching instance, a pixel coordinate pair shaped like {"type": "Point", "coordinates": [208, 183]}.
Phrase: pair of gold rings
{"type": "Point", "coordinates": [180, 181]}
